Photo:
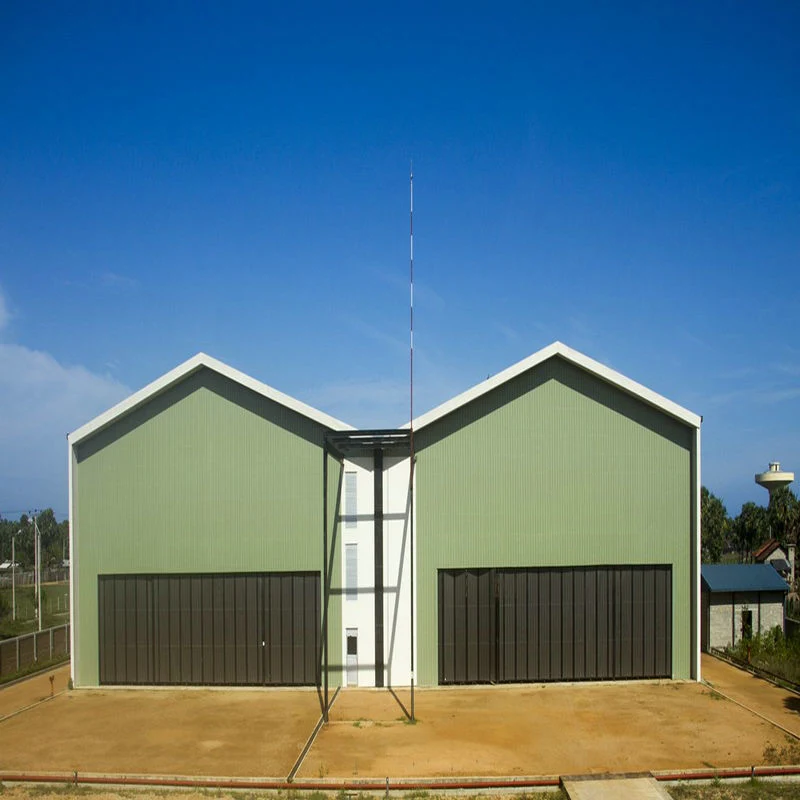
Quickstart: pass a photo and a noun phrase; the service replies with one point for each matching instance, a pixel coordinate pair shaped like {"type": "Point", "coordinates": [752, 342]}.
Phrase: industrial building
{"type": "Point", "coordinates": [740, 601]}
{"type": "Point", "coordinates": [225, 533]}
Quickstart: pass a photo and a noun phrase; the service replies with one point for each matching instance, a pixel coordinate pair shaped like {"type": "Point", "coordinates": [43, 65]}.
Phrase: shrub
{"type": "Point", "coordinates": [772, 652]}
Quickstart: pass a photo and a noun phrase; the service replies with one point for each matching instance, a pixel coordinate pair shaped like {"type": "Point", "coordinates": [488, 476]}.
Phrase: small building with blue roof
{"type": "Point", "coordinates": [739, 601]}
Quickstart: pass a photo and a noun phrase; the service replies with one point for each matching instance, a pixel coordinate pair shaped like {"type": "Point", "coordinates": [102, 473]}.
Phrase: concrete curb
{"type": "Point", "coordinates": [384, 785]}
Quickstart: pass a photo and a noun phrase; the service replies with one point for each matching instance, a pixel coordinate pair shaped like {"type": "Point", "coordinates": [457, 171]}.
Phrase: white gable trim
{"type": "Point", "coordinates": [573, 356]}
{"type": "Point", "coordinates": [189, 367]}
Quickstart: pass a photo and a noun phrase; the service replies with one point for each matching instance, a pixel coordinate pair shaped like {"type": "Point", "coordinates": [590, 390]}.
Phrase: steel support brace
{"type": "Point", "coordinates": [325, 578]}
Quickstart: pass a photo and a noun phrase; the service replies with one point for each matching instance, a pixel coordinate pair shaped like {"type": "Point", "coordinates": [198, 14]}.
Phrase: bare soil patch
{"type": "Point", "coordinates": [32, 690]}
{"type": "Point", "coordinates": [163, 732]}
{"type": "Point", "coordinates": [773, 702]}
{"type": "Point", "coordinates": [555, 729]}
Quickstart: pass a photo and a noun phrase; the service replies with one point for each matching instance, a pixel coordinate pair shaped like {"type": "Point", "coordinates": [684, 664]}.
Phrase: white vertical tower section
{"type": "Point", "coordinates": [358, 602]}
{"type": "Point", "coordinates": [73, 567]}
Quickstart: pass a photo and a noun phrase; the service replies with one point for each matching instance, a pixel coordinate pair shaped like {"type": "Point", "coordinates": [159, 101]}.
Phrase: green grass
{"type": "Point", "coordinates": [750, 790]}
{"type": "Point", "coordinates": [35, 667]}
{"type": "Point", "coordinates": [55, 609]}
{"type": "Point", "coordinates": [772, 652]}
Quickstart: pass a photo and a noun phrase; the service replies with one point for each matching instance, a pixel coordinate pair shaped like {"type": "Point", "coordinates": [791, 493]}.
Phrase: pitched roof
{"type": "Point", "coordinates": [766, 550]}
{"type": "Point", "coordinates": [189, 367]}
{"type": "Point", "coordinates": [742, 578]}
{"type": "Point", "coordinates": [574, 357]}
{"type": "Point", "coordinates": [556, 349]}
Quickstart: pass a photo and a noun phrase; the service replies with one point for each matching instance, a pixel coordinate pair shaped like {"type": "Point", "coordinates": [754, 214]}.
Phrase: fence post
{"type": "Point", "coordinates": [15, 643]}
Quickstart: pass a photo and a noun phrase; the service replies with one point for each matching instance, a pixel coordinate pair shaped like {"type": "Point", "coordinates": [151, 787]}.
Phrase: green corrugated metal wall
{"type": "Point", "coordinates": [206, 477]}
{"type": "Point", "coordinates": [553, 468]}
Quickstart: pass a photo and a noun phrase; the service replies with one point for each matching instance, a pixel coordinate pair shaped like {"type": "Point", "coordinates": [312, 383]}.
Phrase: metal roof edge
{"type": "Point", "coordinates": [573, 356]}
{"type": "Point", "coordinates": [184, 370]}
{"type": "Point", "coordinates": [742, 578]}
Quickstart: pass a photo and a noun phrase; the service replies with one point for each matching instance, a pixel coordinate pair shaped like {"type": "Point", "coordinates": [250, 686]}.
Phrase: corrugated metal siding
{"type": "Point", "coordinates": [207, 477]}
{"type": "Point", "coordinates": [555, 468]}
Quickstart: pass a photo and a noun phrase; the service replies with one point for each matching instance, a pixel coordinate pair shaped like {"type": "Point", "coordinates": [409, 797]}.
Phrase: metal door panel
{"type": "Point", "coordinates": [232, 629]}
{"type": "Point", "coordinates": [581, 623]}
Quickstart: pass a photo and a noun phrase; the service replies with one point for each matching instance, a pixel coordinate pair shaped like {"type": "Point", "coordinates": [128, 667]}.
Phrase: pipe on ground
{"type": "Point", "coordinates": [373, 785]}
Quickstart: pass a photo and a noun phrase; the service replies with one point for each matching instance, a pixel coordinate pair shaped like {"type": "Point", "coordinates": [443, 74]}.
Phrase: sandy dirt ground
{"type": "Point", "coordinates": [25, 693]}
{"type": "Point", "coordinates": [555, 729]}
{"type": "Point", "coordinates": [163, 732]}
{"type": "Point", "coordinates": [544, 729]}
{"type": "Point", "coordinates": [778, 704]}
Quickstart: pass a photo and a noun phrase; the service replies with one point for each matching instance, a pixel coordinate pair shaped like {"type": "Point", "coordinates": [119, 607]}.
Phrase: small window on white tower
{"type": "Point", "coordinates": [351, 572]}
{"type": "Point", "coordinates": [352, 656]}
{"type": "Point", "coordinates": [350, 500]}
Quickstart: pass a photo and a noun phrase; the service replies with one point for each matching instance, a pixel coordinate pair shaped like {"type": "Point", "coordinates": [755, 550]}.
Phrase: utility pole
{"type": "Point", "coordinates": [37, 558]}
{"type": "Point", "coordinates": [39, 550]}
{"type": "Point", "coordinates": [38, 569]}
{"type": "Point", "coordinates": [14, 575]}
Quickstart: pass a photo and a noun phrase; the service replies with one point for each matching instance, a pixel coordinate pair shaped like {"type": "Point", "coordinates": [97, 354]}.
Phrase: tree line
{"type": "Point", "coordinates": [754, 525]}
{"type": "Point", "coordinates": [54, 539]}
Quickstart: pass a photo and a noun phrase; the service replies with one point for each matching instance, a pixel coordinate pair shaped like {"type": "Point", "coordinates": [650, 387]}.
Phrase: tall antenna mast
{"type": "Point", "coordinates": [411, 308]}
{"type": "Point", "coordinates": [411, 431]}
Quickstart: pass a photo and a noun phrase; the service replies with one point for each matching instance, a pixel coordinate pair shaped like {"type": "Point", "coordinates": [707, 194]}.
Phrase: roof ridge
{"type": "Point", "coordinates": [184, 370]}
{"type": "Point", "coordinates": [575, 357]}
{"type": "Point", "coordinates": [768, 547]}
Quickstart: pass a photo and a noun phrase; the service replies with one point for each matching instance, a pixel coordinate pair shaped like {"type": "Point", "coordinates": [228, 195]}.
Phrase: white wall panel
{"type": "Point", "coordinates": [359, 613]}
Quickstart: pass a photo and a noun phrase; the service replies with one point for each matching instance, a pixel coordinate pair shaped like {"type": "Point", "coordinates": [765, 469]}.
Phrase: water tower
{"type": "Point", "coordinates": [774, 478]}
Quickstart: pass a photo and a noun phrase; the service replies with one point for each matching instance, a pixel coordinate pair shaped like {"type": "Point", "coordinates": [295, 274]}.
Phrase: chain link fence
{"type": "Point", "coordinates": [28, 578]}
{"type": "Point", "coordinates": [42, 647]}
{"type": "Point", "coordinates": [19, 608]}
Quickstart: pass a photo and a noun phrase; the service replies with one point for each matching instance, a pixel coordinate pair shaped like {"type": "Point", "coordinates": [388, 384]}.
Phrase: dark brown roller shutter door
{"type": "Point", "coordinates": [554, 624]}
{"type": "Point", "coordinates": [467, 621]}
{"type": "Point", "coordinates": [250, 629]}
{"type": "Point", "coordinates": [126, 630]}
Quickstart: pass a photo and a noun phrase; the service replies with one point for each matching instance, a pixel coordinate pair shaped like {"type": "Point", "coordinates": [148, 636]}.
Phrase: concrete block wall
{"type": "Point", "coordinates": [720, 615]}
{"type": "Point", "coordinates": [771, 612]}
{"type": "Point", "coordinates": [725, 615]}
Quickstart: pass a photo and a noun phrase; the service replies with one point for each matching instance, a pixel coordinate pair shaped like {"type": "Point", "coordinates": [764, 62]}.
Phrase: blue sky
{"type": "Point", "coordinates": [233, 178]}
